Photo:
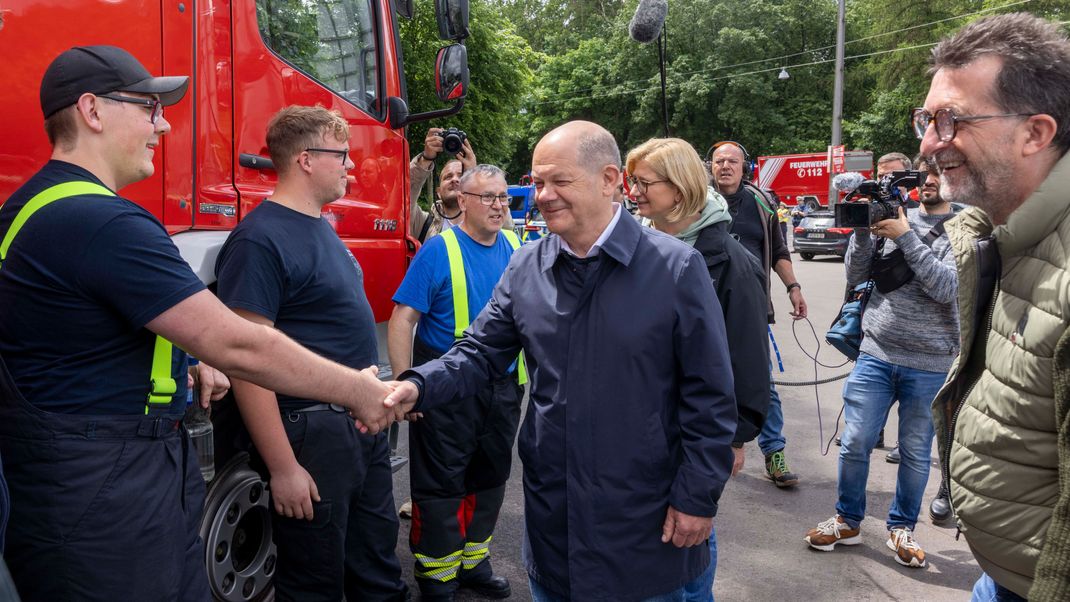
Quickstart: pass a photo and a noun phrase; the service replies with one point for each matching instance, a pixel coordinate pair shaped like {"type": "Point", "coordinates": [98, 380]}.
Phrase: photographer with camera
{"type": "Point", "coordinates": [445, 211]}
{"type": "Point", "coordinates": [910, 337]}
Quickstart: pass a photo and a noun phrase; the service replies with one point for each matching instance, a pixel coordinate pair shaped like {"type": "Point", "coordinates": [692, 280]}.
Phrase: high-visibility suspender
{"type": "Point", "coordinates": [460, 290]}
{"type": "Point", "coordinates": [162, 385]}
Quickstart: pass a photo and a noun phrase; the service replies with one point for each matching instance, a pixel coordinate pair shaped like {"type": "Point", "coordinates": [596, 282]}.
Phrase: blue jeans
{"type": "Point", "coordinates": [771, 438]}
{"type": "Point", "coordinates": [700, 589]}
{"type": "Point", "coordinates": [987, 590]}
{"type": "Point", "coordinates": [871, 389]}
{"type": "Point", "coordinates": [541, 594]}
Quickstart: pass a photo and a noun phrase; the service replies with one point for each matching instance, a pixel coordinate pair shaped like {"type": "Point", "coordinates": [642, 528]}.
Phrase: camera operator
{"type": "Point", "coordinates": [445, 211]}
{"type": "Point", "coordinates": [910, 329]}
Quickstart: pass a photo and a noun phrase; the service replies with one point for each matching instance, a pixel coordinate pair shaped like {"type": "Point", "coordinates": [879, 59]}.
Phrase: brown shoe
{"type": "Point", "coordinates": [406, 510]}
{"type": "Point", "coordinates": [831, 532]}
{"type": "Point", "coordinates": [907, 551]}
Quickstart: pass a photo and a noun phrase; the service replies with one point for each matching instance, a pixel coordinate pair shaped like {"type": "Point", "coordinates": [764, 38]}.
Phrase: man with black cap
{"type": "Point", "coordinates": [106, 495]}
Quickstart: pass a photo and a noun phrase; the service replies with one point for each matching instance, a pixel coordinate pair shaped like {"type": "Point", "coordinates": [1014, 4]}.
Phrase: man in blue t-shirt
{"type": "Point", "coordinates": [284, 266]}
{"type": "Point", "coordinates": [106, 492]}
{"type": "Point", "coordinates": [461, 455]}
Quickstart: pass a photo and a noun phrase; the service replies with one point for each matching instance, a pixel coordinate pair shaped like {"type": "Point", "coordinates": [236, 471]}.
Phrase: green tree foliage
{"type": "Point", "coordinates": [721, 81]}
{"type": "Point", "coordinates": [501, 64]}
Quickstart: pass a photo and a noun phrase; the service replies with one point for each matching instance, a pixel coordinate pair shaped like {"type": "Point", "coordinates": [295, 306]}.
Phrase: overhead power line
{"type": "Point", "coordinates": [780, 58]}
{"type": "Point", "coordinates": [734, 75]}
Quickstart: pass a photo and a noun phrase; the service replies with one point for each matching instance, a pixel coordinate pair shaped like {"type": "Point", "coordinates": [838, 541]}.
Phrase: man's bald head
{"type": "Point", "coordinates": [594, 146]}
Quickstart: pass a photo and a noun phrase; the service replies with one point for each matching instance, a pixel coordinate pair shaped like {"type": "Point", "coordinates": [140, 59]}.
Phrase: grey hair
{"type": "Point", "coordinates": [896, 157]}
{"type": "Point", "coordinates": [1034, 76]}
{"type": "Point", "coordinates": [598, 149]}
{"type": "Point", "coordinates": [483, 169]}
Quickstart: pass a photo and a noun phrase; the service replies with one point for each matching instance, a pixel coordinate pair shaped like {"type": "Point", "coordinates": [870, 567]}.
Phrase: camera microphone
{"type": "Point", "coordinates": [847, 182]}
{"type": "Point", "coordinates": [648, 20]}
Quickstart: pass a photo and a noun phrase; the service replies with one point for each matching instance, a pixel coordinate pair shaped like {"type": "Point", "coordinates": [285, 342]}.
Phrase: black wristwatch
{"type": "Point", "coordinates": [794, 285]}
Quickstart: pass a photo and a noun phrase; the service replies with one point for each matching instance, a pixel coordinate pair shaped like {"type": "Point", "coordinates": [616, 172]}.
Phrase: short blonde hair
{"type": "Point", "coordinates": [676, 161]}
{"type": "Point", "coordinates": [297, 127]}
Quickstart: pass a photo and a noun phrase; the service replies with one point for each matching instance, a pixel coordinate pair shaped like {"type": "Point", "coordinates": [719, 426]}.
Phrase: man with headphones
{"type": "Point", "coordinates": [755, 225]}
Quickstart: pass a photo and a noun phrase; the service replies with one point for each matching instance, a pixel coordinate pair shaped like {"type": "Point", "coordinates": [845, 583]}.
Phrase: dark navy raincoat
{"type": "Point", "coordinates": [631, 407]}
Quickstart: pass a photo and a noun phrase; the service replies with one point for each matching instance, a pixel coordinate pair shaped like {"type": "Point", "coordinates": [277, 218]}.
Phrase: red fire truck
{"type": "Point", "coordinates": [246, 59]}
{"type": "Point", "coordinates": [803, 179]}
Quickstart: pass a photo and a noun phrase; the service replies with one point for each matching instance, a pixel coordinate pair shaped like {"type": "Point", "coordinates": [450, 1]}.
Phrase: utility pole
{"type": "Point", "coordinates": [837, 93]}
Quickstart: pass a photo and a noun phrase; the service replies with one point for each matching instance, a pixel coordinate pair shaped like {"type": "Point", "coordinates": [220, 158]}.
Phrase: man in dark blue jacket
{"type": "Point", "coordinates": [626, 442]}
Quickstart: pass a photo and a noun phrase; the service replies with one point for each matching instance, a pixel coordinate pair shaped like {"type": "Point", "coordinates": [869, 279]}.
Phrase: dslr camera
{"type": "Point", "coordinates": [878, 200]}
{"type": "Point", "coordinates": [452, 140]}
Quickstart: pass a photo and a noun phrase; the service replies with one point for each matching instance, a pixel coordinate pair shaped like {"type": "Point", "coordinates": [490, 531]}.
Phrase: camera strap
{"type": "Point", "coordinates": [892, 271]}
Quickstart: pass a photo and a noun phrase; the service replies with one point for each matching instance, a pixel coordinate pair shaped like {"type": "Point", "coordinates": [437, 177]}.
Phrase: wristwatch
{"type": "Point", "coordinates": [794, 285]}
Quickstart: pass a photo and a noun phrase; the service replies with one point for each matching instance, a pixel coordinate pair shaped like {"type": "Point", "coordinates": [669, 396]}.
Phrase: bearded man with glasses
{"type": "Point", "coordinates": [461, 454]}
{"type": "Point", "coordinates": [996, 123]}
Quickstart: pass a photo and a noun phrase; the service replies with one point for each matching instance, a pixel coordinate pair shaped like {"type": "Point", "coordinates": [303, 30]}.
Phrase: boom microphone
{"type": "Point", "coordinates": [648, 20]}
{"type": "Point", "coordinates": [846, 182]}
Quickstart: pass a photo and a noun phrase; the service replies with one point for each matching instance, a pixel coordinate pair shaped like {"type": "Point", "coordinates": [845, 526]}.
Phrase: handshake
{"type": "Point", "coordinates": [378, 403]}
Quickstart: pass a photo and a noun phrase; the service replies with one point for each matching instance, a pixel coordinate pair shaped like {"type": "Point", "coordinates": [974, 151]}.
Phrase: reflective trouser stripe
{"type": "Point", "coordinates": [474, 553]}
{"type": "Point", "coordinates": [438, 569]}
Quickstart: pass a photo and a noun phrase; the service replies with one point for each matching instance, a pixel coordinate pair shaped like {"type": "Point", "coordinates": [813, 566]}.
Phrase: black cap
{"type": "Point", "coordinates": [100, 70]}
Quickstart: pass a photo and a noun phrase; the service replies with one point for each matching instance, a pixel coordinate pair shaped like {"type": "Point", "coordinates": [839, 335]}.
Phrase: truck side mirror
{"type": "Point", "coordinates": [452, 17]}
{"type": "Point", "coordinates": [404, 8]}
{"type": "Point", "coordinates": [451, 73]}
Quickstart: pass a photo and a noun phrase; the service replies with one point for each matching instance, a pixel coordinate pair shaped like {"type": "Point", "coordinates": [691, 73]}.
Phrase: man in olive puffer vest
{"type": "Point", "coordinates": [997, 124]}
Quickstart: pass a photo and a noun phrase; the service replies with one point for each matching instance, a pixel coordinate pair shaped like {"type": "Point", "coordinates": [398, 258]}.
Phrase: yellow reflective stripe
{"type": "Point", "coordinates": [460, 283]}
{"type": "Point", "coordinates": [438, 569]}
{"type": "Point", "coordinates": [474, 553]}
{"type": "Point", "coordinates": [46, 196]}
{"type": "Point", "coordinates": [511, 237]}
{"type": "Point", "coordinates": [162, 386]}
{"type": "Point", "coordinates": [460, 290]}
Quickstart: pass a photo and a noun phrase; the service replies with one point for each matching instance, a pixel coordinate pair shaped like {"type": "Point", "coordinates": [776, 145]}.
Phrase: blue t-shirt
{"type": "Point", "coordinates": [428, 288]}
{"type": "Point", "coordinates": [81, 280]}
{"type": "Point", "coordinates": [294, 270]}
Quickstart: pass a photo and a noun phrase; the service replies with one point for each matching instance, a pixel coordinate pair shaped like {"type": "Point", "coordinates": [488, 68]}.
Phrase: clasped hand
{"type": "Point", "coordinates": [389, 402]}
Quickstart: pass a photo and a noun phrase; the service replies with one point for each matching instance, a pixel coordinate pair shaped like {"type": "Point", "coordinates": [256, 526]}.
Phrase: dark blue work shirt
{"type": "Point", "coordinates": [81, 280]}
{"type": "Point", "coordinates": [631, 408]}
{"type": "Point", "coordinates": [293, 269]}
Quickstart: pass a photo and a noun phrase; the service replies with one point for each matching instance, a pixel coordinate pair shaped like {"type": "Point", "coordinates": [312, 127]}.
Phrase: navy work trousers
{"type": "Point", "coordinates": [461, 457]}
{"type": "Point", "coordinates": [102, 507]}
{"type": "Point", "coordinates": [349, 545]}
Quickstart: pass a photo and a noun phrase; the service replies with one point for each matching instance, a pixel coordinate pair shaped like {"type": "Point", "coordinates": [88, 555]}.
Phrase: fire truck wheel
{"type": "Point", "coordinates": [236, 529]}
{"type": "Point", "coordinates": [806, 256]}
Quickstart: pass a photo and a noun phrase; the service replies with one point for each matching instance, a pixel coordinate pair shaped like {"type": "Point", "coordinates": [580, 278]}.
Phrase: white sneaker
{"type": "Point", "coordinates": [831, 532]}
{"type": "Point", "coordinates": [907, 551]}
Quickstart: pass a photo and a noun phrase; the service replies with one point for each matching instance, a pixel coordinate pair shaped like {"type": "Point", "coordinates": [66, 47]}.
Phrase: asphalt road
{"type": "Point", "coordinates": [762, 555]}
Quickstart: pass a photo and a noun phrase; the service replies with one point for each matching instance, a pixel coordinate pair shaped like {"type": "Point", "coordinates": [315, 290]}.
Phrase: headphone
{"type": "Point", "coordinates": [748, 167]}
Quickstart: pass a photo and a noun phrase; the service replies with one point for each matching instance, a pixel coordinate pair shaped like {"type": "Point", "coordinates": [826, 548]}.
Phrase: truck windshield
{"type": "Point", "coordinates": [332, 41]}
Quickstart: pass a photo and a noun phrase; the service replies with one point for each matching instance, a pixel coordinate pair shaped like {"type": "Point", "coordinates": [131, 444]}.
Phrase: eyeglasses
{"type": "Point", "coordinates": [947, 121]}
{"type": "Point", "coordinates": [488, 198]}
{"type": "Point", "coordinates": [635, 183]}
{"type": "Point", "coordinates": [344, 154]}
{"type": "Point", "coordinates": [154, 106]}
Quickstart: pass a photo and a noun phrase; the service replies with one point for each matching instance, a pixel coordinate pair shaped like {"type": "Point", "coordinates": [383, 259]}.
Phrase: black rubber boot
{"type": "Point", "coordinates": [940, 508]}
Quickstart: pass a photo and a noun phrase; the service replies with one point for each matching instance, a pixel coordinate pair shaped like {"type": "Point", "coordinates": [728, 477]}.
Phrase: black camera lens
{"type": "Point", "coordinates": [452, 140]}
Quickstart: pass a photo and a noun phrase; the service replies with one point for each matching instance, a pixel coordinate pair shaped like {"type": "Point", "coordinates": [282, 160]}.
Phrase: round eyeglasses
{"type": "Point", "coordinates": [946, 121]}
{"type": "Point", "coordinates": [635, 183]}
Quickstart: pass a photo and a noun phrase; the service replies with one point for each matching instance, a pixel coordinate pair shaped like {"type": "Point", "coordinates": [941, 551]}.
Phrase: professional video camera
{"type": "Point", "coordinates": [878, 200]}
{"type": "Point", "coordinates": [452, 140]}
